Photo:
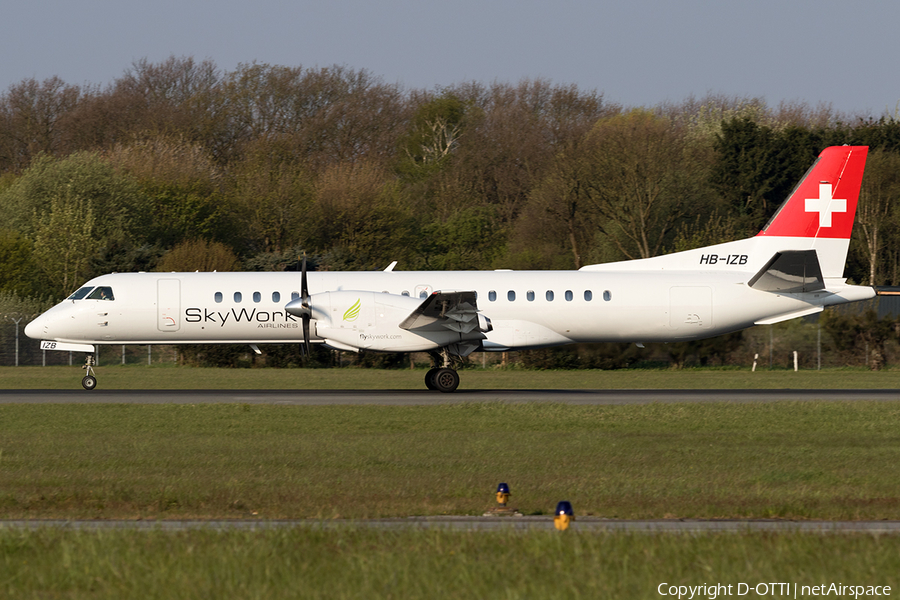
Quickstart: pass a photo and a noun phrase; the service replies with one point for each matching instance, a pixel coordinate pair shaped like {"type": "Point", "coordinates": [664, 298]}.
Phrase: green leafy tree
{"type": "Point", "coordinates": [758, 166]}
{"type": "Point", "coordinates": [861, 334]}
{"type": "Point", "coordinates": [510, 133]}
{"type": "Point", "coordinates": [199, 255]}
{"type": "Point", "coordinates": [14, 306]}
{"type": "Point", "coordinates": [360, 218]}
{"type": "Point", "coordinates": [706, 352]}
{"type": "Point", "coordinates": [114, 197]}
{"type": "Point", "coordinates": [18, 271]}
{"type": "Point", "coordinates": [271, 198]}
{"type": "Point", "coordinates": [466, 240]}
{"type": "Point", "coordinates": [642, 181]}
{"type": "Point", "coordinates": [705, 230]}
{"type": "Point", "coordinates": [563, 199]}
{"type": "Point", "coordinates": [876, 214]}
{"type": "Point", "coordinates": [433, 135]}
{"type": "Point", "coordinates": [289, 259]}
{"type": "Point", "coordinates": [180, 186]}
{"type": "Point", "coordinates": [64, 241]}
{"type": "Point", "coordinates": [882, 133]}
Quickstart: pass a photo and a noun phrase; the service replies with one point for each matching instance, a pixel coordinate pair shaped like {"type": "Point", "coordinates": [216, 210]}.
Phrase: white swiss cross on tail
{"type": "Point", "coordinates": [825, 205]}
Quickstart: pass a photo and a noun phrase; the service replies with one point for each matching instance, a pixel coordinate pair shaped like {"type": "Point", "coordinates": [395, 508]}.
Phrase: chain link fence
{"type": "Point", "coordinates": [25, 351]}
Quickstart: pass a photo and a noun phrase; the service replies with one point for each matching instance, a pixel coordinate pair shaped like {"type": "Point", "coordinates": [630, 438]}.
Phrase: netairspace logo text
{"type": "Point", "coordinates": [771, 590]}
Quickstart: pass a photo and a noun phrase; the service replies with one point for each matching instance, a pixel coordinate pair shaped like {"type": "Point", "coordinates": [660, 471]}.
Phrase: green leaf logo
{"type": "Point", "coordinates": [353, 312]}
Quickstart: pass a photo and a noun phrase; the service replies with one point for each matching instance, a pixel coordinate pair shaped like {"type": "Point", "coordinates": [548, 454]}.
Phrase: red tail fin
{"type": "Point", "coordinates": [823, 205]}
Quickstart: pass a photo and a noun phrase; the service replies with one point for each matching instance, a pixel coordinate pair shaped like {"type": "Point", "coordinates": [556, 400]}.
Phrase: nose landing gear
{"type": "Point", "coordinates": [89, 382]}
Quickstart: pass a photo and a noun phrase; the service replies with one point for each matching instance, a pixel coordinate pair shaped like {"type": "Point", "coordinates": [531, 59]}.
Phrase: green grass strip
{"type": "Point", "coordinates": [363, 563]}
{"type": "Point", "coordinates": [806, 460]}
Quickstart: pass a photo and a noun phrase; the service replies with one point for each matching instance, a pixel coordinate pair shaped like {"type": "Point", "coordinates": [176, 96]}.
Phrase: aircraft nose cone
{"type": "Point", "coordinates": [35, 329]}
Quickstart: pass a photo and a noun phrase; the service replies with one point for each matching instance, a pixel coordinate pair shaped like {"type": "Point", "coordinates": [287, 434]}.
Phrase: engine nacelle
{"type": "Point", "coordinates": [370, 321]}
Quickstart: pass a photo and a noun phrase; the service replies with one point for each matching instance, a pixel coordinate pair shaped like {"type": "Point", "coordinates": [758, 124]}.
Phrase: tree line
{"type": "Point", "coordinates": [180, 165]}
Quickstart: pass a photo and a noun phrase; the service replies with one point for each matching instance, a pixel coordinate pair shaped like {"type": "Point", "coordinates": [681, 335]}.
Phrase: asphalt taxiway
{"type": "Point", "coordinates": [468, 523]}
{"type": "Point", "coordinates": [416, 397]}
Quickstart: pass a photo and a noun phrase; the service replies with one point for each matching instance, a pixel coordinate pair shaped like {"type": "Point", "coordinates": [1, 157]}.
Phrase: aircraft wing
{"type": "Point", "coordinates": [456, 311]}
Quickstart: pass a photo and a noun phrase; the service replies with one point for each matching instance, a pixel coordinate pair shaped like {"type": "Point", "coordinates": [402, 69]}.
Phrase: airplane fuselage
{"type": "Point", "coordinates": [793, 267]}
{"type": "Point", "coordinates": [527, 309]}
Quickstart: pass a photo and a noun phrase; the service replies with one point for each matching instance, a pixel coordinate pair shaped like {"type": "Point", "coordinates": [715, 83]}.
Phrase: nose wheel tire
{"type": "Point", "coordinates": [89, 382]}
{"type": "Point", "coordinates": [446, 380]}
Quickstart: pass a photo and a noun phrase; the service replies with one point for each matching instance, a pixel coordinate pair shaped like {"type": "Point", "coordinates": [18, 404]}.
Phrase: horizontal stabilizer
{"type": "Point", "coordinates": [790, 272]}
{"type": "Point", "coordinates": [791, 315]}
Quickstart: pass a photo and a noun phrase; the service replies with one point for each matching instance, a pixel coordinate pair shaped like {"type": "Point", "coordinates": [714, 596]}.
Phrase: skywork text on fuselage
{"type": "Point", "coordinates": [262, 318]}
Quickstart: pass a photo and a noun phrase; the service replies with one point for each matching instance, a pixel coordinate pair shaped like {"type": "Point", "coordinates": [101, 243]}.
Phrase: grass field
{"type": "Point", "coordinates": [796, 460]}
{"type": "Point", "coordinates": [361, 563]}
{"type": "Point", "coordinates": [808, 460]}
{"type": "Point", "coordinates": [118, 377]}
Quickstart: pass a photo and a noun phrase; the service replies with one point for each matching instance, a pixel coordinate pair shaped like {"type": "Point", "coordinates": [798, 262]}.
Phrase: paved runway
{"type": "Point", "coordinates": [543, 523]}
{"type": "Point", "coordinates": [416, 397]}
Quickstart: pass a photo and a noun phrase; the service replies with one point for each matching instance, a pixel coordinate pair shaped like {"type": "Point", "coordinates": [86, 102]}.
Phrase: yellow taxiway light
{"type": "Point", "coordinates": [502, 510]}
{"type": "Point", "coordinates": [503, 494]}
{"type": "Point", "coordinates": [563, 515]}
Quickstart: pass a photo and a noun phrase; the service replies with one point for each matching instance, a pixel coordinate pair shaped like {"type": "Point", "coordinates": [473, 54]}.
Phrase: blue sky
{"type": "Point", "coordinates": [636, 52]}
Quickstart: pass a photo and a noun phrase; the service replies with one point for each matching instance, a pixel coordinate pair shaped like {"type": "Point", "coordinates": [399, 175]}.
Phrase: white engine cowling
{"type": "Point", "coordinates": [370, 321]}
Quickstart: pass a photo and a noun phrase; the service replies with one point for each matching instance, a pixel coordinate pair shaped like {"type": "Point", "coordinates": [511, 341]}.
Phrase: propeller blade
{"type": "Point", "coordinates": [306, 333]}
{"type": "Point", "coordinates": [304, 288]}
{"type": "Point", "coordinates": [304, 300]}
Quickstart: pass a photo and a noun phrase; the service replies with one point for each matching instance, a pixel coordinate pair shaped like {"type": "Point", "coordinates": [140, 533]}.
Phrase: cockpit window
{"type": "Point", "coordinates": [101, 293]}
{"type": "Point", "coordinates": [80, 293]}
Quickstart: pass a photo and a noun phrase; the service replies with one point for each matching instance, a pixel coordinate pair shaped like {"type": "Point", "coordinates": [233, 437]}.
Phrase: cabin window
{"type": "Point", "coordinates": [218, 296]}
{"type": "Point", "coordinates": [569, 295]}
{"type": "Point", "coordinates": [101, 293]}
{"type": "Point", "coordinates": [549, 295]}
{"type": "Point", "coordinates": [295, 295]}
{"type": "Point", "coordinates": [404, 293]}
{"type": "Point", "coordinates": [607, 295]}
{"type": "Point", "coordinates": [80, 293]}
{"type": "Point", "coordinates": [276, 296]}
{"type": "Point", "coordinates": [492, 295]}
{"type": "Point", "coordinates": [423, 294]}
{"type": "Point", "coordinates": [257, 296]}
{"type": "Point", "coordinates": [237, 297]}
{"type": "Point", "coordinates": [529, 295]}
{"type": "Point", "coordinates": [511, 296]}
{"type": "Point", "coordinates": [588, 295]}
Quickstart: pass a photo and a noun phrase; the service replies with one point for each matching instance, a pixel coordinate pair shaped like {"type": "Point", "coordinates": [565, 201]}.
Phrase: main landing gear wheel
{"type": "Point", "coordinates": [445, 380]}
{"type": "Point", "coordinates": [89, 382]}
{"type": "Point", "coordinates": [441, 376]}
{"type": "Point", "coordinates": [429, 379]}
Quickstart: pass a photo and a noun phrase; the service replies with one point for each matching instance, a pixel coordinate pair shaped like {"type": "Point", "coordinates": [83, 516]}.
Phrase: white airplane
{"type": "Point", "coordinates": [792, 268]}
